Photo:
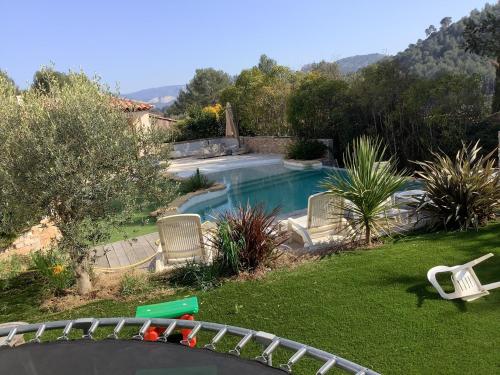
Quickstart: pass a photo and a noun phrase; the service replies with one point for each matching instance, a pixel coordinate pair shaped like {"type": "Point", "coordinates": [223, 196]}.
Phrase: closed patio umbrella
{"type": "Point", "coordinates": [231, 128]}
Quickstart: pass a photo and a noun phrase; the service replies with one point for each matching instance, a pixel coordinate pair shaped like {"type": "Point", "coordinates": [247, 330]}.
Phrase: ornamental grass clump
{"type": "Point", "coordinates": [462, 192]}
{"type": "Point", "coordinates": [367, 185]}
{"type": "Point", "coordinates": [196, 182]}
{"type": "Point", "coordinates": [247, 238]}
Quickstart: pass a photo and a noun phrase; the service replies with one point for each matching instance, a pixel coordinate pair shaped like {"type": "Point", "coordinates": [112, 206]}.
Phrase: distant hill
{"type": "Point", "coordinates": [351, 64]}
{"type": "Point", "coordinates": [443, 51]}
{"type": "Point", "coordinates": [354, 63]}
{"type": "Point", "coordinates": [160, 97]}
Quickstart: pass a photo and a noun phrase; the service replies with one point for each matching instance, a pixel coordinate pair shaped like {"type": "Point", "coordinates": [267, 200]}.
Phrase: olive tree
{"type": "Point", "coordinates": [71, 155]}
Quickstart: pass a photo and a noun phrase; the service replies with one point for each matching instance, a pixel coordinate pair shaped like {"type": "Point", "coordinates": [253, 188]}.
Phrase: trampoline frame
{"type": "Point", "coordinates": [269, 341]}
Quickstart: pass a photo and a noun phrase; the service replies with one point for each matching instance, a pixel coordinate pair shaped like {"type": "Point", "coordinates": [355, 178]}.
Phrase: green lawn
{"type": "Point", "coordinates": [373, 307]}
{"type": "Point", "coordinates": [140, 224]}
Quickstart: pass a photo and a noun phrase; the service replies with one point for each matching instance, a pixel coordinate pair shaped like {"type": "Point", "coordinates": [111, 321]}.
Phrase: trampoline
{"type": "Point", "coordinates": [134, 355]}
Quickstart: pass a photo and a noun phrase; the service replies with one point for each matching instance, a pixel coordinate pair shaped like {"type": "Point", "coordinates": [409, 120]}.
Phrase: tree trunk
{"type": "Point", "coordinates": [83, 283]}
{"type": "Point", "coordinates": [496, 95]}
{"type": "Point", "coordinates": [368, 235]}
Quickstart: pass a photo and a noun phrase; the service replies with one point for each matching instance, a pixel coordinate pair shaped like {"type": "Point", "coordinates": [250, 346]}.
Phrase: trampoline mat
{"type": "Point", "coordinates": [122, 357]}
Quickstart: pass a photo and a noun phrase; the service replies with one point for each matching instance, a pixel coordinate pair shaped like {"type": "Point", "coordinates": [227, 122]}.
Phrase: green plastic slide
{"type": "Point", "coordinates": [168, 310]}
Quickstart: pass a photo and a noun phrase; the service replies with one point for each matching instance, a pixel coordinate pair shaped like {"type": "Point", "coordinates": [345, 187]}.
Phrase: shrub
{"type": "Point", "coordinates": [196, 182]}
{"type": "Point", "coordinates": [201, 123]}
{"type": "Point", "coordinates": [306, 149]}
{"type": "Point", "coordinates": [229, 248]}
{"type": "Point", "coordinates": [318, 107]}
{"type": "Point", "coordinates": [462, 192]}
{"type": "Point", "coordinates": [55, 267]}
{"type": "Point", "coordinates": [133, 284]}
{"type": "Point", "coordinates": [195, 275]}
{"type": "Point", "coordinates": [246, 238]}
{"type": "Point", "coordinates": [367, 185]}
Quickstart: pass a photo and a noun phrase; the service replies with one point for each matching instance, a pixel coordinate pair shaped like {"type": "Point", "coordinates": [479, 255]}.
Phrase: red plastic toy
{"type": "Point", "coordinates": [153, 333]}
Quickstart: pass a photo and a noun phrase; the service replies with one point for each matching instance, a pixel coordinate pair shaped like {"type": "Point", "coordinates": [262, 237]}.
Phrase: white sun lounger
{"type": "Point", "coordinates": [464, 279]}
{"type": "Point", "coordinates": [181, 240]}
{"type": "Point", "coordinates": [324, 222]}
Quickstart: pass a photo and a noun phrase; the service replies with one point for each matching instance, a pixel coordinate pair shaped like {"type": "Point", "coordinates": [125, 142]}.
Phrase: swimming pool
{"type": "Point", "coordinates": [272, 185]}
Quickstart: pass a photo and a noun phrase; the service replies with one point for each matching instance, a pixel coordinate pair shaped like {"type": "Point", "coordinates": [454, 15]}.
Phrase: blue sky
{"type": "Point", "coordinates": [142, 44]}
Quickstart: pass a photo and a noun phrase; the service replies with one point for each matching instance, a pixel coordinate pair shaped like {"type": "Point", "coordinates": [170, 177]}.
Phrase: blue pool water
{"type": "Point", "coordinates": [272, 185]}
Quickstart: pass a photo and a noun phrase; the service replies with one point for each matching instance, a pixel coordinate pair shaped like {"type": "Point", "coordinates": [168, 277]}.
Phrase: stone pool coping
{"type": "Point", "coordinates": [303, 164]}
{"type": "Point", "coordinates": [179, 204]}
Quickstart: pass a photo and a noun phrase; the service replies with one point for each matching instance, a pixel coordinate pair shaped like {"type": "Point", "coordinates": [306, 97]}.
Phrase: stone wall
{"type": "Point", "coordinates": [266, 144]}
{"type": "Point", "coordinates": [278, 145]}
{"type": "Point", "coordinates": [197, 147]}
{"type": "Point", "coordinates": [38, 237]}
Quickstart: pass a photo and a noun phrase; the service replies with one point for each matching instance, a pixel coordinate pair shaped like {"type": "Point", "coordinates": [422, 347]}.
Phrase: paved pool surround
{"type": "Point", "coordinates": [186, 167]}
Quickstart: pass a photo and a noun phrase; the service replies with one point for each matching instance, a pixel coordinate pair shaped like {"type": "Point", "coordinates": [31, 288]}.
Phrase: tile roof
{"type": "Point", "coordinates": [131, 105]}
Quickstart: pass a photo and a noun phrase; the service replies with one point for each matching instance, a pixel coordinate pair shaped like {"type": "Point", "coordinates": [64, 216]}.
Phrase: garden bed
{"type": "Point", "coordinates": [374, 307]}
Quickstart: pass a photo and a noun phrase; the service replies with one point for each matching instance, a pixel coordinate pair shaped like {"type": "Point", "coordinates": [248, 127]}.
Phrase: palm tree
{"type": "Point", "coordinates": [366, 184]}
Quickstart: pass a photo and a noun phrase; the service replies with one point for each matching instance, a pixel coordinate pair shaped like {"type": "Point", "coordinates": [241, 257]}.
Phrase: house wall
{"type": "Point", "coordinates": [162, 122]}
{"type": "Point", "coordinates": [140, 119]}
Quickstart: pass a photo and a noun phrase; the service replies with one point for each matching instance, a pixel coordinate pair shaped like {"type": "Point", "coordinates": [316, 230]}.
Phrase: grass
{"type": "Point", "coordinates": [373, 307]}
{"type": "Point", "coordinates": [141, 223]}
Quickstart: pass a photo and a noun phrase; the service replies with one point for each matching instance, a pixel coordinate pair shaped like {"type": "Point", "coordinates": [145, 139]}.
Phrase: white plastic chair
{"type": "Point", "coordinates": [464, 279]}
{"type": "Point", "coordinates": [181, 240]}
{"type": "Point", "coordinates": [324, 222]}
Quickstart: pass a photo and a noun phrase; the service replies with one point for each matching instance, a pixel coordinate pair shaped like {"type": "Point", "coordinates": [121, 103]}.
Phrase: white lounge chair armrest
{"type": "Point", "coordinates": [159, 260]}
{"type": "Point", "coordinates": [474, 262]}
{"type": "Point", "coordinates": [294, 226]}
{"type": "Point", "coordinates": [431, 276]}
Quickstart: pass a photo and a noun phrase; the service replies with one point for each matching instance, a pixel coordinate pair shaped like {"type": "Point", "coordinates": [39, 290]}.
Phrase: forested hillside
{"type": "Point", "coordinates": [349, 64]}
{"type": "Point", "coordinates": [352, 64]}
{"type": "Point", "coordinates": [443, 52]}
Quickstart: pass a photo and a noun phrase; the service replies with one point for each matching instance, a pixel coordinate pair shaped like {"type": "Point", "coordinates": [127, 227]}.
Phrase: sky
{"type": "Point", "coordinates": [138, 44]}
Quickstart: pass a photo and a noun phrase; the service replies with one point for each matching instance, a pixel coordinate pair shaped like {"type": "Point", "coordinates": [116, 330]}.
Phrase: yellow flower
{"type": "Point", "coordinates": [57, 269]}
{"type": "Point", "coordinates": [213, 109]}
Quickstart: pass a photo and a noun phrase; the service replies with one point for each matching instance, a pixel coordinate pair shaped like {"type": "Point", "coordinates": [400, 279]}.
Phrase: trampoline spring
{"type": "Point", "coordinates": [327, 366]}
{"type": "Point", "coordinates": [142, 331]}
{"type": "Point", "coordinates": [91, 330]}
{"type": "Point", "coordinates": [66, 331]}
{"type": "Point", "coordinates": [237, 350]}
{"type": "Point", "coordinates": [272, 346]}
{"type": "Point", "coordinates": [216, 339]}
{"type": "Point", "coordinates": [117, 329]}
{"type": "Point", "coordinates": [38, 334]}
{"type": "Point", "coordinates": [168, 332]}
{"type": "Point", "coordinates": [265, 357]}
{"type": "Point", "coordinates": [194, 331]}
{"type": "Point", "coordinates": [11, 335]}
{"type": "Point", "coordinates": [192, 334]}
{"type": "Point", "coordinates": [293, 360]}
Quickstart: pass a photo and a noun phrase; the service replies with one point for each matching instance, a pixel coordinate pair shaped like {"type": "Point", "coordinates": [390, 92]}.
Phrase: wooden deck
{"type": "Point", "coordinates": [127, 252]}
